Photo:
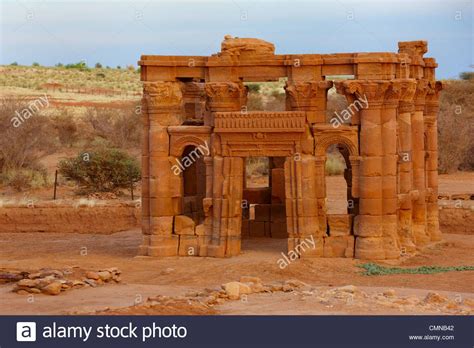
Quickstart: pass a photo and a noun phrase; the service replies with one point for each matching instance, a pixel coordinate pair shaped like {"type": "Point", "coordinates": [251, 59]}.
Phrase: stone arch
{"type": "Point", "coordinates": [324, 141]}
{"type": "Point", "coordinates": [178, 144]}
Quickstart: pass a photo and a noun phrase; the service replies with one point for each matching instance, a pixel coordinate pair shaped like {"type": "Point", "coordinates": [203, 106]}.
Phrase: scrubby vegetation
{"type": "Point", "coordinates": [101, 170]}
{"type": "Point", "coordinates": [113, 120]}
{"type": "Point", "coordinates": [374, 269]}
{"type": "Point", "coordinates": [456, 126]}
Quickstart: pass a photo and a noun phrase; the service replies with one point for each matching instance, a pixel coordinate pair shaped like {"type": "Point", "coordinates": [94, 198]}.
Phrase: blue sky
{"type": "Point", "coordinates": [118, 32]}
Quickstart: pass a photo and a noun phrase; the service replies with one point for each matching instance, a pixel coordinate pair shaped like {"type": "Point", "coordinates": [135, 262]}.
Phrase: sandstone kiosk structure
{"type": "Point", "coordinates": [198, 133]}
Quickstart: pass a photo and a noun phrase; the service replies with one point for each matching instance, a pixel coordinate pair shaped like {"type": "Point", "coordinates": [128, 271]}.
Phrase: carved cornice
{"type": "Point", "coordinates": [260, 121]}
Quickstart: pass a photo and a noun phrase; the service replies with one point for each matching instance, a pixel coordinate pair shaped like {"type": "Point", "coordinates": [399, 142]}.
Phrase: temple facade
{"type": "Point", "coordinates": [198, 133]}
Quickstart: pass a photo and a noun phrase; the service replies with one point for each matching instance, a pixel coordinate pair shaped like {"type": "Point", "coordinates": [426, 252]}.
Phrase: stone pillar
{"type": "Point", "coordinates": [405, 165]}
{"type": "Point", "coordinates": [227, 173]}
{"type": "Point", "coordinates": [161, 197]}
{"type": "Point", "coordinates": [355, 170]}
{"type": "Point", "coordinates": [431, 136]}
{"type": "Point", "coordinates": [368, 225]}
{"type": "Point", "coordinates": [309, 96]}
{"type": "Point", "coordinates": [320, 182]}
{"type": "Point", "coordinates": [419, 179]}
{"type": "Point", "coordinates": [389, 170]}
{"type": "Point", "coordinates": [301, 204]}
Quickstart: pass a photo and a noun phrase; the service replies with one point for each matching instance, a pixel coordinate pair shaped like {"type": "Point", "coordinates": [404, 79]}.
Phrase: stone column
{"type": "Point", "coordinates": [320, 182]}
{"type": "Point", "coordinates": [405, 165]}
{"type": "Point", "coordinates": [368, 224]}
{"type": "Point", "coordinates": [301, 204]}
{"type": "Point", "coordinates": [419, 180]}
{"type": "Point", "coordinates": [389, 170]}
{"type": "Point", "coordinates": [227, 173]}
{"type": "Point", "coordinates": [162, 189]}
{"type": "Point", "coordinates": [309, 96]}
{"type": "Point", "coordinates": [431, 136]}
{"type": "Point", "coordinates": [355, 170]}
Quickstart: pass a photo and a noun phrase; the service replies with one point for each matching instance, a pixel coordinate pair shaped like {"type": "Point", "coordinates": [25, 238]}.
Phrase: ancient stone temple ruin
{"type": "Point", "coordinates": [199, 133]}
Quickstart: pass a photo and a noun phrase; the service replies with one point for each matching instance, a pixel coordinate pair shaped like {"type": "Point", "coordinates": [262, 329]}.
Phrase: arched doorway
{"type": "Point", "coordinates": [193, 182]}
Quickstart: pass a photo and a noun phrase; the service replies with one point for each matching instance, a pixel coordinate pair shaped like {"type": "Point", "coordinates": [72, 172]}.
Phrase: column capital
{"type": "Point", "coordinates": [162, 97]}
{"type": "Point", "coordinates": [225, 96]}
{"type": "Point", "coordinates": [432, 98]}
{"type": "Point", "coordinates": [408, 87]}
{"type": "Point", "coordinates": [373, 91]}
{"type": "Point", "coordinates": [309, 96]}
{"type": "Point", "coordinates": [420, 94]}
{"type": "Point", "coordinates": [302, 92]}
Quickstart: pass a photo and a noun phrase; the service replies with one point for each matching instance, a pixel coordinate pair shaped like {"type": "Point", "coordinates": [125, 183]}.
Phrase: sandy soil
{"type": "Point", "coordinates": [144, 277]}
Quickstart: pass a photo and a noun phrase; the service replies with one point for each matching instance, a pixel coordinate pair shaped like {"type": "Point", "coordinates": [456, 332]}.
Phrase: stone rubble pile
{"type": "Point", "coordinates": [53, 281]}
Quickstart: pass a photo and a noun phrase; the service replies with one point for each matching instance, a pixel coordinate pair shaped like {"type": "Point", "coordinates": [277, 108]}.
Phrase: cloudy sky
{"type": "Point", "coordinates": [118, 32]}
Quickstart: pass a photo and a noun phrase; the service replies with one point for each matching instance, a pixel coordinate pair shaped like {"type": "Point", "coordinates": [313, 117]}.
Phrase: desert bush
{"type": "Point", "coordinates": [253, 87]}
{"type": "Point", "coordinates": [257, 166]}
{"type": "Point", "coordinates": [255, 102]}
{"type": "Point", "coordinates": [335, 163]}
{"type": "Point", "coordinates": [35, 64]}
{"type": "Point", "coordinates": [98, 65]}
{"type": "Point", "coordinates": [455, 126]}
{"type": "Point", "coordinates": [23, 146]}
{"type": "Point", "coordinates": [121, 127]}
{"type": "Point", "coordinates": [101, 170]}
{"type": "Point", "coordinates": [80, 66]}
{"type": "Point", "coordinates": [66, 127]}
{"type": "Point", "coordinates": [466, 75]}
{"type": "Point", "coordinates": [14, 64]}
{"type": "Point", "coordinates": [25, 179]}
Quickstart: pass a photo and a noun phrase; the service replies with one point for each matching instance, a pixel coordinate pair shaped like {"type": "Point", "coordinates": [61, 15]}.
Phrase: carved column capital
{"type": "Point", "coordinates": [420, 94]}
{"type": "Point", "coordinates": [408, 87]}
{"type": "Point", "coordinates": [432, 98]}
{"type": "Point", "coordinates": [162, 96]}
{"type": "Point", "coordinates": [309, 96]}
{"type": "Point", "coordinates": [305, 93]}
{"type": "Point", "coordinates": [225, 96]}
{"type": "Point", "coordinates": [373, 91]}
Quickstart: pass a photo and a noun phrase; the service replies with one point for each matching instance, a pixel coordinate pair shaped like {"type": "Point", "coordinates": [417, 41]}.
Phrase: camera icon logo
{"type": "Point", "coordinates": [26, 331]}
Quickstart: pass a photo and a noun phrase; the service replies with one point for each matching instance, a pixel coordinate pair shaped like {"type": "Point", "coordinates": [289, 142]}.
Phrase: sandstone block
{"type": "Point", "coordinates": [183, 225]}
{"type": "Point", "coordinates": [339, 224]}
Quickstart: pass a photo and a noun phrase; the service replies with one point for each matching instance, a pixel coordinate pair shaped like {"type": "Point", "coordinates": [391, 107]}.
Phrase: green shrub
{"type": "Point", "coordinates": [98, 65]}
{"type": "Point", "coordinates": [374, 269]}
{"type": "Point", "coordinates": [335, 164]}
{"type": "Point", "coordinates": [253, 87]}
{"type": "Point", "coordinates": [102, 170]}
{"type": "Point", "coordinates": [35, 64]}
{"type": "Point", "coordinates": [14, 64]}
{"type": "Point", "coordinates": [466, 75]}
{"type": "Point", "coordinates": [80, 66]}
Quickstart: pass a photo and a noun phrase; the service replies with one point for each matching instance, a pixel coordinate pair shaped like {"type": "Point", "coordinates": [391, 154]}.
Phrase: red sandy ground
{"type": "Point", "coordinates": [144, 277]}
